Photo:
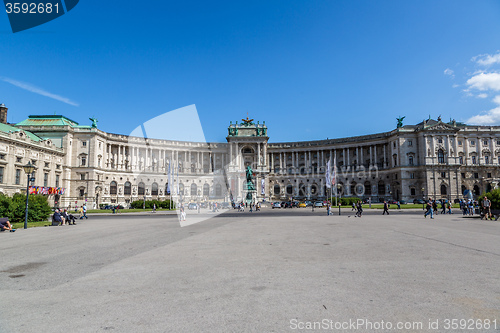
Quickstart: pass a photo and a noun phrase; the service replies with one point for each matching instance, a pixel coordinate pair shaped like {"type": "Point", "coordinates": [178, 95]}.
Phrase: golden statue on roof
{"type": "Point", "coordinates": [247, 121]}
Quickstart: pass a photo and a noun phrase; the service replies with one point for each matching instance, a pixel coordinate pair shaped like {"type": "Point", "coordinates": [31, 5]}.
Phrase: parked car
{"type": "Point", "coordinates": [295, 204]}
{"type": "Point", "coordinates": [402, 202]}
{"type": "Point", "coordinates": [318, 204]}
{"type": "Point", "coordinates": [308, 203]}
{"type": "Point", "coordinates": [418, 201]}
{"type": "Point", "coordinates": [302, 205]}
{"type": "Point", "coordinates": [192, 206]}
{"type": "Point", "coordinates": [276, 205]}
{"type": "Point", "coordinates": [288, 204]}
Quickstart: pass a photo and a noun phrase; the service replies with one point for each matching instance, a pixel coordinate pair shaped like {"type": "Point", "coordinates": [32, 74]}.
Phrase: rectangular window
{"type": "Point", "coordinates": [440, 140]}
{"type": "Point", "coordinates": [476, 175]}
{"type": "Point", "coordinates": [443, 174]}
{"type": "Point", "coordinates": [410, 160]}
{"type": "Point", "coordinates": [461, 159]}
{"type": "Point", "coordinates": [412, 191]}
{"type": "Point", "coordinates": [487, 160]}
{"type": "Point", "coordinates": [498, 142]}
{"type": "Point", "coordinates": [463, 174]}
{"type": "Point", "coordinates": [489, 175]}
{"type": "Point", "coordinates": [82, 192]}
{"type": "Point", "coordinates": [46, 164]}
{"type": "Point", "coordinates": [1, 174]}
{"type": "Point", "coordinates": [412, 175]}
{"type": "Point", "coordinates": [410, 143]}
{"type": "Point", "coordinates": [473, 159]}
{"type": "Point", "coordinates": [82, 176]}
{"type": "Point", "coordinates": [57, 180]}
{"type": "Point", "coordinates": [460, 143]}
{"type": "Point", "coordinates": [472, 142]}
{"type": "Point", "coordinates": [485, 142]}
{"type": "Point", "coordinates": [84, 161]}
{"type": "Point", "coordinates": [84, 143]}
{"type": "Point", "coordinates": [45, 179]}
{"type": "Point", "coordinates": [18, 176]}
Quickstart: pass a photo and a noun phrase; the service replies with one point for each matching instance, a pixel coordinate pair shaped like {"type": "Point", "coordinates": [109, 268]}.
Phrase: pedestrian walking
{"type": "Point", "coordinates": [386, 208]}
{"type": "Point", "coordinates": [443, 207]}
{"type": "Point", "coordinates": [359, 208]}
{"type": "Point", "coordinates": [430, 210]}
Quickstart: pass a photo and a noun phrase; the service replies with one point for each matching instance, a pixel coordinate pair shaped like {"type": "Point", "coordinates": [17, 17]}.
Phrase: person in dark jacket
{"type": "Point", "coordinates": [57, 217]}
{"type": "Point", "coordinates": [69, 217]}
{"type": "Point", "coordinates": [386, 208]}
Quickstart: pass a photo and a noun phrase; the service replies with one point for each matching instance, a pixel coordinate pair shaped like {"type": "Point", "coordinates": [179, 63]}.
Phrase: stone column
{"type": "Point", "coordinates": [258, 154]}
{"type": "Point", "coordinates": [375, 155]}
{"type": "Point", "coordinates": [348, 157]}
{"type": "Point", "coordinates": [343, 157]}
{"type": "Point", "coordinates": [385, 156]}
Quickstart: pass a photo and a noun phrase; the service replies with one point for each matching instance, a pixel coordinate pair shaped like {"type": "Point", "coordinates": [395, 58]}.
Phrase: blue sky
{"type": "Point", "coordinates": [310, 69]}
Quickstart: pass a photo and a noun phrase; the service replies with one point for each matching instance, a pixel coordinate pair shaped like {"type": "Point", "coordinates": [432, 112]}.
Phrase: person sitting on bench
{"type": "Point", "coordinates": [5, 224]}
{"type": "Point", "coordinates": [57, 218]}
{"type": "Point", "coordinates": [68, 217]}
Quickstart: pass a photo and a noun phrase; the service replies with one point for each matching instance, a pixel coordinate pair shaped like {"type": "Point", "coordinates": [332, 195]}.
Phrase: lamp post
{"type": "Point", "coordinates": [28, 168]}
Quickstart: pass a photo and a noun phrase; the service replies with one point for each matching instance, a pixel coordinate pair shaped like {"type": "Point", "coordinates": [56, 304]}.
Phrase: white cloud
{"type": "Point", "coordinates": [491, 117]}
{"type": "Point", "coordinates": [486, 59]}
{"type": "Point", "coordinates": [482, 96]}
{"type": "Point", "coordinates": [485, 81]}
{"type": "Point", "coordinates": [39, 91]}
{"type": "Point", "coordinates": [449, 72]}
{"type": "Point", "coordinates": [496, 99]}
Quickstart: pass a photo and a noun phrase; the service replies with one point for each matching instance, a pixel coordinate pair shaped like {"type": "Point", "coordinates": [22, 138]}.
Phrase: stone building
{"type": "Point", "coordinates": [430, 159]}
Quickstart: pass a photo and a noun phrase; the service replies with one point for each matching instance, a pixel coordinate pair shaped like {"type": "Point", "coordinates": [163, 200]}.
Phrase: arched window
{"type": "Point", "coordinates": [154, 189]}
{"type": "Point", "coordinates": [368, 188]}
{"type": "Point", "coordinates": [476, 190]}
{"type": "Point", "coordinates": [440, 156]}
{"type": "Point", "coordinates": [443, 190]}
{"type": "Point", "coordinates": [302, 190]}
{"type": "Point", "coordinates": [353, 188]}
{"type": "Point", "coordinates": [276, 189]}
{"type": "Point", "coordinates": [488, 188]}
{"type": "Point", "coordinates": [113, 188]}
{"type": "Point", "coordinates": [127, 190]}
{"type": "Point", "coordinates": [194, 189]}
{"type": "Point", "coordinates": [141, 189]}
{"type": "Point", "coordinates": [206, 190]}
{"type": "Point", "coordinates": [381, 188]}
{"type": "Point", "coordinates": [218, 190]}
{"type": "Point", "coordinates": [314, 189]}
{"type": "Point", "coordinates": [289, 189]}
{"type": "Point", "coordinates": [464, 188]}
{"type": "Point", "coordinates": [181, 189]}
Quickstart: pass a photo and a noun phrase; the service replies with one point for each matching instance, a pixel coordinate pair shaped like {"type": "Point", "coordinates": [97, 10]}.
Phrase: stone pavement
{"type": "Point", "coordinates": [270, 271]}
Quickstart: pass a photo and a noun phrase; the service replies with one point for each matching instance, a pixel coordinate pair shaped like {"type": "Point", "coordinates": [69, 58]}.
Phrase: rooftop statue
{"type": "Point", "coordinates": [400, 121]}
{"type": "Point", "coordinates": [94, 122]}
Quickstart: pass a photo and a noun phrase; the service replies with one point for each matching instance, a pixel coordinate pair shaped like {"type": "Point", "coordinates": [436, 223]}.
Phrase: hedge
{"type": "Point", "coordinates": [139, 204]}
{"type": "Point", "coordinates": [14, 208]}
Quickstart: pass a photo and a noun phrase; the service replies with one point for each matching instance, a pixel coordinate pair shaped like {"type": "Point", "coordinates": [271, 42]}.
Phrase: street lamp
{"type": "Point", "coordinates": [28, 168]}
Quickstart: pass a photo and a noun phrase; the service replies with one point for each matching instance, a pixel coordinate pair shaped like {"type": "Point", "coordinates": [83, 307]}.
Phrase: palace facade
{"type": "Point", "coordinates": [430, 159]}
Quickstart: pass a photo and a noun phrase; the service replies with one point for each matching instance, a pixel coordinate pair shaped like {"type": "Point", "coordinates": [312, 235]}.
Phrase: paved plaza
{"type": "Point", "coordinates": [270, 271]}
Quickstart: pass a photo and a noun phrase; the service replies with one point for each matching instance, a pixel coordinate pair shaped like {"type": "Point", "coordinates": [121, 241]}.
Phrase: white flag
{"type": "Point", "coordinates": [327, 175]}
{"type": "Point", "coordinates": [334, 174]}
{"type": "Point", "coordinates": [169, 177]}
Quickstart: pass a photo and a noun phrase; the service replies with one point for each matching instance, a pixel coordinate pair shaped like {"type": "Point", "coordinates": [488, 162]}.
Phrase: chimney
{"type": "Point", "coordinates": [3, 114]}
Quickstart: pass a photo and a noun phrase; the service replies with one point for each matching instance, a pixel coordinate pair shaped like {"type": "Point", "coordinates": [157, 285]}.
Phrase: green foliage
{"type": "Point", "coordinates": [345, 201]}
{"type": "Point", "coordinates": [138, 204]}
{"type": "Point", "coordinates": [14, 208]}
{"type": "Point", "coordinates": [494, 197]}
